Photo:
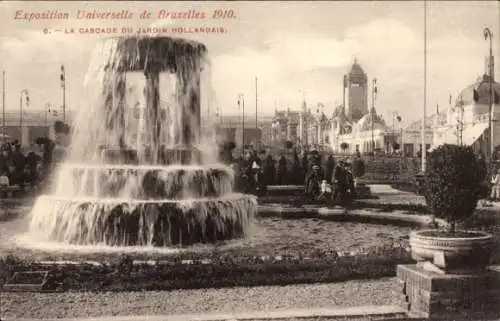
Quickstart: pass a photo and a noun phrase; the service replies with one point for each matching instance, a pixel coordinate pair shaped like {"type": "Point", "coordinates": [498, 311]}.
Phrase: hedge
{"type": "Point", "coordinates": [214, 272]}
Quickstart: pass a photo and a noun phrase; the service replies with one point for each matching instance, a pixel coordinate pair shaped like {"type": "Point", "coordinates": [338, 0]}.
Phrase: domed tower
{"type": "Point", "coordinates": [357, 93]}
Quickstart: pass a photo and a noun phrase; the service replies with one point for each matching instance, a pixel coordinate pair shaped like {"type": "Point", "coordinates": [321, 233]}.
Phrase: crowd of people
{"type": "Point", "coordinates": [21, 169]}
{"type": "Point", "coordinates": [322, 177]}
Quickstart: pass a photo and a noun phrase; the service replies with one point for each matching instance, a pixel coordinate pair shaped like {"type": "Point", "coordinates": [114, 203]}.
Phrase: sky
{"type": "Point", "coordinates": [296, 50]}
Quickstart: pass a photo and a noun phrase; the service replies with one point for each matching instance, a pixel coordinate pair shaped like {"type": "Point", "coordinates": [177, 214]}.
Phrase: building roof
{"type": "Point", "coordinates": [236, 121]}
{"type": "Point", "coordinates": [417, 125]}
{"type": "Point", "coordinates": [291, 116]}
{"type": "Point", "coordinates": [365, 123]}
{"type": "Point", "coordinates": [478, 92]}
{"type": "Point", "coordinates": [35, 117]}
{"type": "Point", "coordinates": [356, 69]}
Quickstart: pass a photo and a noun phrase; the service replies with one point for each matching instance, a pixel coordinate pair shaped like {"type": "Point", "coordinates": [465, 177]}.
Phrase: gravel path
{"type": "Point", "coordinates": [61, 305]}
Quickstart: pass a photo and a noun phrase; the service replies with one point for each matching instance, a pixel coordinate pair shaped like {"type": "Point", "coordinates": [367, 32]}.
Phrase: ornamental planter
{"type": "Point", "coordinates": [464, 253]}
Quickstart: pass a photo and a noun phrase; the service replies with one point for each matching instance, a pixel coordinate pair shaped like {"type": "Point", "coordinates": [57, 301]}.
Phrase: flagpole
{"type": "Point", "coordinates": [393, 129]}
{"type": "Point", "coordinates": [374, 93]}
{"type": "Point", "coordinates": [489, 35]}
{"type": "Point", "coordinates": [343, 93]}
{"type": "Point", "coordinates": [256, 100]}
{"type": "Point", "coordinates": [47, 111]}
{"type": "Point", "coordinates": [424, 150]}
{"type": "Point", "coordinates": [3, 104]}
{"type": "Point", "coordinates": [241, 103]}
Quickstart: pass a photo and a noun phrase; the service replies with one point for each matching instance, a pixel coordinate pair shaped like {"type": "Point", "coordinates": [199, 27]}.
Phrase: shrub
{"type": "Point", "coordinates": [452, 181]}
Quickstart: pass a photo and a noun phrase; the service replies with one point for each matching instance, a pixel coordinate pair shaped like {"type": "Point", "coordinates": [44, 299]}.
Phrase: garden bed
{"type": "Point", "coordinates": [450, 234]}
{"type": "Point", "coordinates": [211, 271]}
{"type": "Point", "coordinates": [338, 214]}
{"type": "Point", "coordinates": [376, 204]}
{"type": "Point", "coordinates": [276, 251]}
{"type": "Point", "coordinates": [409, 187]}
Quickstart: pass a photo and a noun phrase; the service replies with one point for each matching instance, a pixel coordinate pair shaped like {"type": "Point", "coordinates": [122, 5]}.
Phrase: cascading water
{"type": "Point", "coordinates": [136, 173]}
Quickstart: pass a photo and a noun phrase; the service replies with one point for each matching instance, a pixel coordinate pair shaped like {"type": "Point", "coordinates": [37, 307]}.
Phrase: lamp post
{"type": "Point", "coordinates": [488, 35]}
{"type": "Point", "coordinates": [24, 93]}
{"type": "Point", "coordinates": [424, 111]}
{"type": "Point", "coordinates": [63, 87]}
{"type": "Point", "coordinates": [400, 132]}
{"type": "Point", "coordinates": [374, 96]}
{"type": "Point", "coordinates": [241, 103]}
{"type": "Point", "coordinates": [48, 107]}
{"type": "Point", "coordinates": [460, 124]}
{"type": "Point", "coordinates": [256, 104]}
{"type": "Point", "coordinates": [3, 104]}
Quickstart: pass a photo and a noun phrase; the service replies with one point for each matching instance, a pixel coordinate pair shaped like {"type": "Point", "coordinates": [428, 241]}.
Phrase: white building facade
{"type": "Point", "coordinates": [466, 122]}
{"type": "Point", "coordinates": [361, 129]}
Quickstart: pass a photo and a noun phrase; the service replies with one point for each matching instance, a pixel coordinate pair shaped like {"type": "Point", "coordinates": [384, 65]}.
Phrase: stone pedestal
{"type": "Point", "coordinates": [448, 296]}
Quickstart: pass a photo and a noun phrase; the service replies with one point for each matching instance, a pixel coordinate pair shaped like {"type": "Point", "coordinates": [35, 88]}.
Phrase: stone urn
{"type": "Point", "coordinates": [465, 252]}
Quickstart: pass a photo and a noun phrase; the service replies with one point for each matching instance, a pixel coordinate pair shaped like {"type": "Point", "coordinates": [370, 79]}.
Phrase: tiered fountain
{"type": "Point", "coordinates": [136, 173]}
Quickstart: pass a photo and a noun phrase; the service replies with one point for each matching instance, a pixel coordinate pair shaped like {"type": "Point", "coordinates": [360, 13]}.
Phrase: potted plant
{"type": "Point", "coordinates": [344, 146]}
{"type": "Point", "coordinates": [452, 184]}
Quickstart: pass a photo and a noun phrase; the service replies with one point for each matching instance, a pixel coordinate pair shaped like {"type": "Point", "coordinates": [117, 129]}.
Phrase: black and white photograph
{"type": "Point", "coordinates": [250, 160]}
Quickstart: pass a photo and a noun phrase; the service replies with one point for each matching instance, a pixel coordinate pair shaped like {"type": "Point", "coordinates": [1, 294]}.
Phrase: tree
{"type": "Point", "coordinates": [453, 183]}
{"type": "Point", "coordinates": [288, 144]}
{"type": "Point", "coordinates": [344, 146]}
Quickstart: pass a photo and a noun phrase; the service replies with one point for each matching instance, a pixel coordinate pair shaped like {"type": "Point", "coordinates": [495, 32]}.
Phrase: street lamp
{"type": "Point", "coordinates": [241, 103]}
{"type": "Point", "coordinates": [24, 93]}
{"type": "Point", "coordinates": [63, 87]}
{"type": "Point", "coordinates": [489, 35]}
{"type": "Point", "coordinates": [48, 107]}
{"type": "Point", "coordinates": [374, 96]}
{"type": "Point", "coordinates": [3, 104]}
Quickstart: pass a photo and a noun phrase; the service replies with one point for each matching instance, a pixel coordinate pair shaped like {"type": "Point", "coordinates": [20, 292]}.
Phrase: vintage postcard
{"type": "Point", "coordinates": [250, 160]}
